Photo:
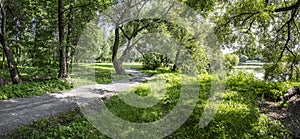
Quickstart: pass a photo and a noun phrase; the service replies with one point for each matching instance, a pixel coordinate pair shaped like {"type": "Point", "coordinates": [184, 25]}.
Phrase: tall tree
{"type": "Point", "coordinates": [63, 70]}
{"type": "Point", "coordinates": [69, 35]}
{"type": "Point", "coordinates": [129, 32]}
{"type": "Point", "coordinates": [14, 73]}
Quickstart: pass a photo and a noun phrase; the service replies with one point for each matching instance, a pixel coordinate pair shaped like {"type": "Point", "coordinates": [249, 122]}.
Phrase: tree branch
{"type": "Point", "coordinates": [289, 8]}
{"type": "Point", "coordinates": [296, 27]}
{"type": "Point", "coordinates": [121, 28]}
{"type": "Point", "coordinates": [250, 26]}
{"type": "Point", "coordinates": [285, 45]}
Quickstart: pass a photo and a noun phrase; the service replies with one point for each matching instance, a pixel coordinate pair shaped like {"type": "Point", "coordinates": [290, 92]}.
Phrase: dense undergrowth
{"type": "Point", "coordinates": [237, 117]}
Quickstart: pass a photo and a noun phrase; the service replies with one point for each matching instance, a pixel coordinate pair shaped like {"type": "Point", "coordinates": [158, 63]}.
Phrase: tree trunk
{"type": "Point", "coordinates": [13, 69]}
{"type": "Point", "coordinates": [34, 59]}
{"type": "Point", "coordinates": [116, 63]}
{"type": "Point", "coordinates": [175, 66]}
{"type": "Point", "coordinates": [118, 67]}
{"type": "Point", "coordinates": [3, 59]}
{"type": "Point", "coordinates": [63, 73]}
{"type": "Point", "coordinates": [69, 37]}
{"type": "Point", "coordinates": [2, 69]}
{"type": "Point", "coordinates": [1, 79]}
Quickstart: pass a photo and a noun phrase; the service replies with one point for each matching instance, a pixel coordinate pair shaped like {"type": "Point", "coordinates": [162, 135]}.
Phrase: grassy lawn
{"type": "Point", "coordinates": [98, 73]}
{"type": "Point", "coordinates": [237, 117]}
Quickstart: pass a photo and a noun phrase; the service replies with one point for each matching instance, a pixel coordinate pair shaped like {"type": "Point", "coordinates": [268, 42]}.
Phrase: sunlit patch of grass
{"type": "Point", "coordinates": [97, 73]}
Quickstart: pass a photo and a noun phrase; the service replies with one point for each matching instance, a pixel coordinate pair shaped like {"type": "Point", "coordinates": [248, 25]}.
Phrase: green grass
{"type": "Point", "coordinates": [33, 88]}
{"type": "Point", "coordinates": [72, 124]}
{"type": "Point", "coordinates": [98, 73]}
{"type": "Point", "coordinates": [85, 74]}
{"type": "Point", "coordinates": [237, 116]}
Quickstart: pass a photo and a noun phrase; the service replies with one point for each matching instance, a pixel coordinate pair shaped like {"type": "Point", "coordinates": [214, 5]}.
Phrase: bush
{"type": "Point", "coordinates": [246, 83]}
{"type": "Point", "coordinates": [151, 62]}
{"type": "Point", "coordinates": [231, 60]}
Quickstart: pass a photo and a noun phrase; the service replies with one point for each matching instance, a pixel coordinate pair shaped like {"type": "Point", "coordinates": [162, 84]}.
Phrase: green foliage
{"type": "Point", "coordinates": [35, 73]}
{"type": "Point", "coordinates": [33, 88]}
{"type": "Point", "coordinates": [237, 116]}
{"type": "Point", "coordinates": [277, 72]}
{"type": "Point", "coordinates": [247, 83]}
{"type": "Point", "coordinates": [252, 26]}
{"type": "Point", "coordinates": [157, 71]}
{"type": "Point", "coordinates": [99, 73]}
{"type": "Point", "coordinates": [231, 60]}
{"type": "Point", "coordinates": [284, 103]}
{"type": "Point", "coordinates": [151, 62]}
{"type": "Point", "coordinates": [38, 79]}
{"type": "Point", "coordinates": [69, 125]}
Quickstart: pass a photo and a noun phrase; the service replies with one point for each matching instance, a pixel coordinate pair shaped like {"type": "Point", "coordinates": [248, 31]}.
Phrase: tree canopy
{"type": "Point", "coordinates": [50, 34]}
{"type": "Point", "coordinates": [267, 27]}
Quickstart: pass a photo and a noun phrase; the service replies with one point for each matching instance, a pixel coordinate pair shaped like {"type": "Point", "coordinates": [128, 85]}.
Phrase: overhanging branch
{"type": "Point", "coordinates": [289, 8]}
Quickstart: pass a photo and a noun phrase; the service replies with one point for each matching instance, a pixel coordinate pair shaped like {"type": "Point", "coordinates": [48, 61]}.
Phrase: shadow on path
{"type": "Point", "coordinates": [17, 112]}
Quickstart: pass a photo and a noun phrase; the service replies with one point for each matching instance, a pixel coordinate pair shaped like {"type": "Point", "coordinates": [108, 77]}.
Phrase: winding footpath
{"type": "Point", "coordinates": [23, 111]}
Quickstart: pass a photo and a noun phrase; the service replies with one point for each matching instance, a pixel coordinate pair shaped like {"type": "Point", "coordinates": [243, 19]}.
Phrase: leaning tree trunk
{"type": "Point", "coordinates": [13, 69]}
{"type": "Point", "coordinates": [117, 64]}
{"type": "Point", "coordinates": [63, 72]}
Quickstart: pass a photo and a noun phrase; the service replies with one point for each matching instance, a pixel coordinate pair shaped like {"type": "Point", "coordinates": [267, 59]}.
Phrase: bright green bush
{"type": "Point", "coordinates": [247, 83]}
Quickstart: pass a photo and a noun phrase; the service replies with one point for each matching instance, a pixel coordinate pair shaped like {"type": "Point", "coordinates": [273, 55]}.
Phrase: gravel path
{"type": "Point", "coordinates": [23, 111]}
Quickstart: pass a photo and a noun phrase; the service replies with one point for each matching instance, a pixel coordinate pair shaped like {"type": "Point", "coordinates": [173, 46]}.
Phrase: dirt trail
{"type": "Point", "coordinates": [23, 111]}
{"type": "Point", "coordinates": [289, 117]}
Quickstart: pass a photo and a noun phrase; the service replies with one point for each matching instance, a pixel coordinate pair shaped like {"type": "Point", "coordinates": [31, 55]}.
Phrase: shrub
{"type": "Point", "coordinates": [151, 62]}
{"type": "Point", "coordinates": [231, 60]}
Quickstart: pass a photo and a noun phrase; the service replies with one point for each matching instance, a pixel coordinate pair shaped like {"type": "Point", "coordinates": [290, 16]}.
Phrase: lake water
{"type": "Point", "coordinates": [255, 68]}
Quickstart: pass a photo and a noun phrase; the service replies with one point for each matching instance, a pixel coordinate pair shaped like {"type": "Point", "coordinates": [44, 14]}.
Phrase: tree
{"type": "Point", "coordinates": [129, 31]}
{"type": "Point", "coordinates": [63, 70]}
{"type": "Point", "coordinates": [14, 73]}
{"type": "Point", "coordinates": [65, 46]}
{"type": "Point", "coordinates": [128, 24]}
{"type": "Point", "coordinates": [231, 60]}
{"type": "Point", "coordinates": [70, 35]}
{"type": "Point", "coordinates": [266, 27]}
